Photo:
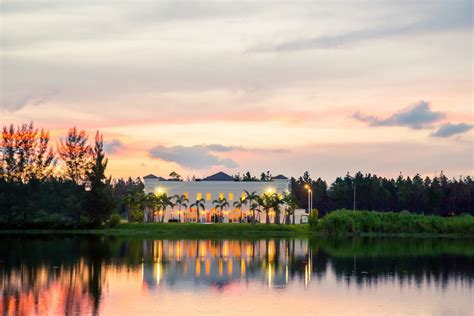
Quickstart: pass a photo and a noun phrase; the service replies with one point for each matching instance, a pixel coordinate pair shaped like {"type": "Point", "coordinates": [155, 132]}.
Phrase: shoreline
{"type": "Point", "coordinates": [220, 231]}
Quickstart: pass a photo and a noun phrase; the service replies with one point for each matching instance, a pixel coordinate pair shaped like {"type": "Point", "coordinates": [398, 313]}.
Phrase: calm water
{"type": "Point", "coordinates": [113, 276]}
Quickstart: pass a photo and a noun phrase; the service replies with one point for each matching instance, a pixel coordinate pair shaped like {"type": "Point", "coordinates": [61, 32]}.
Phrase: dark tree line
{"type": "Point", "coordinates": [434, 196]}
{"type": "Point", "coordinates": [65, 185]}
{"type": "Point", "coordinates": [45, 186]}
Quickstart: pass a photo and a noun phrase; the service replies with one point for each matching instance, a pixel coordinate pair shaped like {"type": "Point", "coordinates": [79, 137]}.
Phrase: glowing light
{"type": "Point", "coordinates": [269, 191]}
{"type": "Point", "coordinates": [159, 272]}
{"type": "Point", "coordinates": [198, 268]}
{"type": "Point", "coordinates": [208, 267]}
{"type": "Point", "coordinates": [220, 267]}
{"type": "Point", "coordinates": [270, 274]}
{"type": "Point", "coordinates": [230, 267]}
{"type": "Point", "coordinates": [159, 191]}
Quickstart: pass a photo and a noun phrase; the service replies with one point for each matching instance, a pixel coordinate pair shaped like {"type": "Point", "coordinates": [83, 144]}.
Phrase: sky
{"type": "Point", "coordinates": [201, 86]}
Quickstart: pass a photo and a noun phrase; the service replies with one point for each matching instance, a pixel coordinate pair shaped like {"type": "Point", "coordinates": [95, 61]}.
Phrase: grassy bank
{"type": "Point", "coordinates": [337, 223]}
{"type": "Point", "coordinates": [184, 230]}
{"type": "Point", "coordinates": [345, 222]}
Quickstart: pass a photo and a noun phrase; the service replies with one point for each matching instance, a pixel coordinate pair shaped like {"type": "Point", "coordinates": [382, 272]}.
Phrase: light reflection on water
{"type": "Point", "coordinates": [98, 275]}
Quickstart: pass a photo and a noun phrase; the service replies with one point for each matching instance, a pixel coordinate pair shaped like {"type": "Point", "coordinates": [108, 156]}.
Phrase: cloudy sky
{"type": "Point", "coordinates": [287, 86]}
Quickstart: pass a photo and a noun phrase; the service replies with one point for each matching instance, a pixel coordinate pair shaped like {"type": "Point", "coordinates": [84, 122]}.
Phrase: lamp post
{"type": "Point", "coordinates": [310, 198]}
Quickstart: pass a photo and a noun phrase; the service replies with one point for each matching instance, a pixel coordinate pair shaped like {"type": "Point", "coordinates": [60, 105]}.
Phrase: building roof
{"type": "Point", "coordinates": [152, 176]}
{"type": "Point", "coordinates": [220, 176]}
{"type": "Point", "coordinates": [280, 177]}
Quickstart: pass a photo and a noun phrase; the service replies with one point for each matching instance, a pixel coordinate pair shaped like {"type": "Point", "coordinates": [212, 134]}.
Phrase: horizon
{"type": "Point", "coordinates": [201, 87]}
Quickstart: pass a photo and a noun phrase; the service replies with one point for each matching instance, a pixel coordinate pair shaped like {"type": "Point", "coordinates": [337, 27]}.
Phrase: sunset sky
{"type": "Point", "coordinates": [287, 86]}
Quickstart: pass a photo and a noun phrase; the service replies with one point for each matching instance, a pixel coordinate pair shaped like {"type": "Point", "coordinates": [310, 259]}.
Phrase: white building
{"type": "Point", "coordinates": [219, 185]}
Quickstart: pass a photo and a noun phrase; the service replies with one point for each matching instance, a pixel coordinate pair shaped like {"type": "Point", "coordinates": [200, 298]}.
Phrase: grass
{"type": "Point", "coordinates": [337, 223]}
{"type": "Point", "coordinates": [345, 222]}
{"type": "Point", "coordinates": [184, 230]}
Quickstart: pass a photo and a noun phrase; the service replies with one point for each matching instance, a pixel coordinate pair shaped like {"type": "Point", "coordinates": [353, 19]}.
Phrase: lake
{"type": "Point", "coordinates": [121, 276]}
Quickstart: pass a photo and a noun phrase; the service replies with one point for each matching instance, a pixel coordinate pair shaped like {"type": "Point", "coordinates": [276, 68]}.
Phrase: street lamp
{"type": "Point", "coordinates": [310, 198]}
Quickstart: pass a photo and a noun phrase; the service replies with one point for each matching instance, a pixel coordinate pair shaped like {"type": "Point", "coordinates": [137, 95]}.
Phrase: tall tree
{"type": "Point", "coordinates": [100, 199]}
{"type": "Point", "coordinates": [181, 200]}
{"type": "Point", "coordinates": [198, 204]}
{"type": "Point", "coordinates": [291, 204]}
{"type": "Point", "coordinates": [220, 204]}
{"type": "Point", "coordinates": [250, 199]}
{"type": "Point", "coordinates": [238, 205]}
{"type": "Point", "coordinates": [75, 154]}
{"type": "Point", "coordinates": [175, 176]}
{"type": "Point", "coordinates": [164, 201]}
{"type": "Point", "coordinates": [267, 202]}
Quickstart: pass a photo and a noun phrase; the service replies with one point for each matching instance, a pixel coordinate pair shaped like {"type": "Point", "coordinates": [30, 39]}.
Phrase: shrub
{"type": "Point", "coordinates": [348, 222]}
{"type": "Point", "coordinates": [114, 220]}
{"type": "Point", "coordinates": [313, 217]}
{"type": "Point", "coordinates": [136, 216]}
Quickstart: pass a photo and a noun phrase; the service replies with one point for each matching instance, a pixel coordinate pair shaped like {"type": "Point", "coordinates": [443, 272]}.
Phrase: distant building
{"type": "Point", "coordinates": [214, 187]}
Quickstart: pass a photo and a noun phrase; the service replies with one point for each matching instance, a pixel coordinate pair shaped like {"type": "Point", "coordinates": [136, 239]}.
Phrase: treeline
{"type": "Point", "coordinates": [64, 185]}
{"type": "Point", "coordinates": [53, 186]}
{"type": "Point", "coordinates": [429, 196]}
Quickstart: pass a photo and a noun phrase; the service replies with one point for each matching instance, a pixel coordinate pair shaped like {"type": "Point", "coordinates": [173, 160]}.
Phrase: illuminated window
{"type": "Point", "coordinates": [198, 196]}
{"type": "Point", "coordinates": [221, 195]}
{"type": "Point", "coordinates": [185, 194]}
{"type": "Point", "coordinates": [208, 196]}
{"type": "Point", "coordinates": [243, 195]}
{"type": "Point", "coordinates": [231, 196]}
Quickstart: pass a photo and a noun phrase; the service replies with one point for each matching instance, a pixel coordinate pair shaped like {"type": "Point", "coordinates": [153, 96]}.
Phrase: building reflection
{"type": "Point", "coordinates": [221, 262]}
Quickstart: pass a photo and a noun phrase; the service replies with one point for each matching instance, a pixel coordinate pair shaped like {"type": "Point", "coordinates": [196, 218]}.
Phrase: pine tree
{"type": "Point", "coordinates": [100, 199]}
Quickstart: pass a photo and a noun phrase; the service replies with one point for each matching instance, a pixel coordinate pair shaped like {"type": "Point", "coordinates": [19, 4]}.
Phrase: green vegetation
{"type": "Point", "coordinates": [65, 187]}
{"type": "Point", "coordinates": [185, 230]}
{"type": "Point", "coordinates": [343, 222]}
{"type": "Point", "coordinates": [337, 223]}
{"type": "Point", "coordinates": [114, 220]}
{"type": "Point", "coordinates": [437, 195]}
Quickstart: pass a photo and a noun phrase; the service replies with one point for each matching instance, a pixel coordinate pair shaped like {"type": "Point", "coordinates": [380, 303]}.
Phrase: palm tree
{"type": "Point", "coordinates": [291, 204]}
{"type": "Point", "coordinates": [266, 202]}
{"type": "Point", "coordinates": [250, 198]}
{"type": "Point", "coordinates": [238, 205]}
{"type": "Point", "coordinates": [277, 201]}
{"type": "Point", "coordinates": [199, 204]}
{"type": "Point", "coordinates": [134, 201]}
{"type": "Point", "coordinates": [221, 204]}
{"type": "Point", "coordinates": [254, 207]}
{"type": "Point", "coordinates": [164, 202]}
{"type": "Point", "coordinates": [150, 202]}
{"type": "Point", "coordinates": [181, 200]}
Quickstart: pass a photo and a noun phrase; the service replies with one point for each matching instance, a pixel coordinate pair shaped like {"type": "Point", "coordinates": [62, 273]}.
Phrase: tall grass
{"type": "Point", "coordinates": [343, 222]}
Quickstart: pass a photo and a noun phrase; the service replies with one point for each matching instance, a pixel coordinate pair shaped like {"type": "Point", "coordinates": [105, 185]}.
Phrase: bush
{"type": "Point", "coordinates": [136, 216]}
{"type": "Point", "coordinates": [114, 220]}
{"type": "Point", "coordinates": [350, 222]}
{"type": "Point", "coordinates": [313, 217]}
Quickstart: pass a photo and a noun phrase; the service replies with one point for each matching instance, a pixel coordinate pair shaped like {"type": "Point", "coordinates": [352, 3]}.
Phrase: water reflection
{"type": "Point", "coordinates": [218, 263]}
{"type": "Point", "coordinates": [74, 275]}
